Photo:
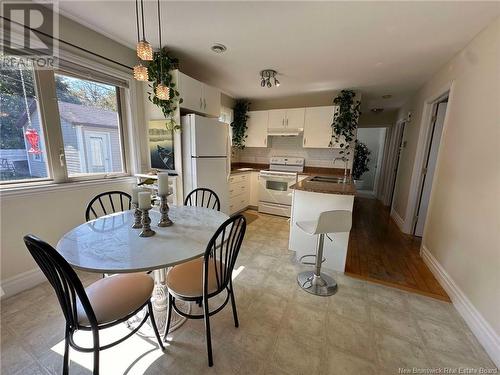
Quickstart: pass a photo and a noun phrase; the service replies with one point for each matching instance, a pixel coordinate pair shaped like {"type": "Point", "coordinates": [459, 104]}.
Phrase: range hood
{"type": "Point", "coordinates": [285, 132]}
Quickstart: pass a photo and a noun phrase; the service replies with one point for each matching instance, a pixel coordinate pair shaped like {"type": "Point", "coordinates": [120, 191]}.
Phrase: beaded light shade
{"type": "Point", "coordinates": [140, 73]}
{"type": "Point", "coordinates": [162, 92]}
{"type": "Point", "coordinates": [144, 50]}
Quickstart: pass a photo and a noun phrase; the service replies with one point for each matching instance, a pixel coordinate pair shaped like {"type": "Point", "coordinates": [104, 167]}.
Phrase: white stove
{"type": "Point", "coordinates": [275, 195]}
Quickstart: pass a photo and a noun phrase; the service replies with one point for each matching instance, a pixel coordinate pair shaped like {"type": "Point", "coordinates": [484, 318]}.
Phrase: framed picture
{"type": "Point", "coordinates": [161, 145]}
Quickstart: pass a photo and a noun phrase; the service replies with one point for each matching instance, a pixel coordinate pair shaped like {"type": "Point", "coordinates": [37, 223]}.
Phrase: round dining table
{"type": "Point", "coordinates": [109, 244]}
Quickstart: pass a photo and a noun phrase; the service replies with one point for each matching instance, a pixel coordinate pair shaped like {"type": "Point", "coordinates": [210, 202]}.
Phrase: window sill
{"type": "Point", "coordinates": [25, 189]}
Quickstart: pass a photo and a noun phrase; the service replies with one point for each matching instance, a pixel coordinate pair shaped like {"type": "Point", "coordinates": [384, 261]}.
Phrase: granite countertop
{"type": "Point", "coordinates": [324, 187]}
{"type": "Point", "coordinates": [311, 171]}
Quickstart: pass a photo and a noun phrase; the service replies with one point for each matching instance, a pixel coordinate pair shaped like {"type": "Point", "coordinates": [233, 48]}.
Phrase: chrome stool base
{"type": "Point", "coordinates": [322, 285]}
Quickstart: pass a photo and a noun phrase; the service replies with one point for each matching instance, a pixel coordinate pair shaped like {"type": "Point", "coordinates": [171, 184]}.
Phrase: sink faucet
{"type": "Point", "coordinates": [345, 160]}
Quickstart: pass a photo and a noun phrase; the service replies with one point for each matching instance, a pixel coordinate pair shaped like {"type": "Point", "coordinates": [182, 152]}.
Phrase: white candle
{"type": "Point", "coordinates": [136, 191]}
{"type": "Point", "coordinates": [163, 183]}
{"type": "Point", "coordinates": [144, 199]}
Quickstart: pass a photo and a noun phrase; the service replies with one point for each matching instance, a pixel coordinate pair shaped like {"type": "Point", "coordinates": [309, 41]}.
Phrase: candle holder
{"type": "Point", "coordinates": [146, 224]}
{"type": "Point", "coordinates": [137, 216]}
{"type": "Point", "coordinates": [164, 219]}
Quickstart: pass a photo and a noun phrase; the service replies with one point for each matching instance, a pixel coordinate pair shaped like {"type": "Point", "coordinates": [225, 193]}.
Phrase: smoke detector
{"type": "Point", "coordinates": [218, 48]}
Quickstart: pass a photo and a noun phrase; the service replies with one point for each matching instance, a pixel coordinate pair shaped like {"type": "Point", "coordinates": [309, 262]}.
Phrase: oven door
{"type": "Point", "coordinates": [275, 188]}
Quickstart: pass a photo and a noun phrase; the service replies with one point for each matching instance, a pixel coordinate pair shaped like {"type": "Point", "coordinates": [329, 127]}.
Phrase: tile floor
{"type": "Point", "coordinates": [364, 329]}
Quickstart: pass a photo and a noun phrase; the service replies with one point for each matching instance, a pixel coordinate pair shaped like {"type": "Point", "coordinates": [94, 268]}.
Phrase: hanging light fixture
{"type": "Point", "coordinates": [140, 71]}
{"type": "Point", "coordinates": [162, 91]}
{"type": "Point", "coordinates": [144, 48]}
{"type": "Point", "coordinates": [268, 77]}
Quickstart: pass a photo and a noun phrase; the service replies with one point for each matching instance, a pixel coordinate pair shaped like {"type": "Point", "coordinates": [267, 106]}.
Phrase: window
{"type": "Point", "coordinates": [22, 146]}
{"type": "Point", "coordinates": [90, 125]}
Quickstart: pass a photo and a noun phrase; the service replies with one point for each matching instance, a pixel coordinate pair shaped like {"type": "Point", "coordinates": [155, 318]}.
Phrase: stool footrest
{"type": "Point", "coordinates": [310, 263]}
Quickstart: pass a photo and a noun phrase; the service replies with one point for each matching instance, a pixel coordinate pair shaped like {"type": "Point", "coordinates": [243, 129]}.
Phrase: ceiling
{"type": "Point", "coordinates": [376, 47]}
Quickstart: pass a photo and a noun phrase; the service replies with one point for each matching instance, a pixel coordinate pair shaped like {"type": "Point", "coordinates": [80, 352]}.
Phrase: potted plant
{"type": "Point", "coordinates": [239, 124]}
{"type": "Point", "coordinates": [360, 164]}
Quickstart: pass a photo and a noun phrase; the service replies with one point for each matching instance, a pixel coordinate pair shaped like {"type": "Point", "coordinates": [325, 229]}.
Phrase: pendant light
{"type": "Point", "coordinates": [162, 91]}
{"type": "Point", "coordinates": [144, 49]}
{"type": "Point", "coordinates": [140, 71]}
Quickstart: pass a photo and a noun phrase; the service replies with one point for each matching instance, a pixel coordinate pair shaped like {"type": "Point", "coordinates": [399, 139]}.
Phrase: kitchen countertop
{"type": "Point", "coordinates": [311, 171]}
{"type": "Point", "coordinates": [324, 187]}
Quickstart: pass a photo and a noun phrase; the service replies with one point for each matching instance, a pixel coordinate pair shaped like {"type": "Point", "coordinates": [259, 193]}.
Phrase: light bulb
{"type": "Point", "coordinates": [144, 50]}
{"type": "Point", "coordinates": [162, 92]}
{"type": "Point", "coordinates": [140, 72]}
{"type": "Point", "coordinates": [269, 83]}
{"type": "Point", "coordinates": [276, 82]}
{"type": "Point", "coordinates": [263, 82]}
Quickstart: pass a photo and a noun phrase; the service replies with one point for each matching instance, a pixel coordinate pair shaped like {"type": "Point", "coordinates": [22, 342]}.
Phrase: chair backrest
{"type": "Point", "coordinates": [222, 251]}
{"type": "Point", "coordinates": [335, 221]}
{"type": "Point", "coordinates": [203, 197]}
{"type": "Point", "coordinates": [63, 279]}
{"type": "Point", "coordinates": [107, 203]}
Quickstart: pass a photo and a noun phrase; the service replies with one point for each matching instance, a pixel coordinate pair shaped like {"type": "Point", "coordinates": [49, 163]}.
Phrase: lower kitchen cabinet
{"type": "Point", "coordinates": [243, 191]}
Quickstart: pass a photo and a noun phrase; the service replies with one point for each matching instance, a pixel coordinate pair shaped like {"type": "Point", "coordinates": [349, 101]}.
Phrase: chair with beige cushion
{"type": "Point", "coordinates": [103, 304]}
{"type": "Point", "coordinates": [205, 278]}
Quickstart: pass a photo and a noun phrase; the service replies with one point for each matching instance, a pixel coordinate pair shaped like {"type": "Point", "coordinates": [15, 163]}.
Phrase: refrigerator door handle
{"type": "Point", "coordinates": [228, 157]}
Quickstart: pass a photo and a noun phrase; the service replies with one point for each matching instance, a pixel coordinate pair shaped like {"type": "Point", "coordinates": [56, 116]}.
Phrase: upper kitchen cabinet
{"type": "Point", "coordinates": [292, 118]}
{"type": "Point", "coordinates": [257, 129]}
{"type": "Point", "coordinates": [318, 127]}
{"type": "Point", "coordinates": [199, 97]}
{"type": "Point", "coordinates": [277, 118]}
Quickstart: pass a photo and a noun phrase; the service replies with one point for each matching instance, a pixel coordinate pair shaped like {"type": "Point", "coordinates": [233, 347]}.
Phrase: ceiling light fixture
{"type": "Point", "coordinates": [162, 91]}
{"type": "Point", "coordinates": [219, 48]}
{"type": "Point", "coordinates": [140, 71]}
{"type": "Point", "coordinates": [268, 77]}
{"type": "Point", "coordinates": [144, 48]}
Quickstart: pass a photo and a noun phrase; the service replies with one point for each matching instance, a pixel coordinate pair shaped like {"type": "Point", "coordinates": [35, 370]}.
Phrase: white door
{"type": "Point", "coordinates": [191, 93]}
{"type": "Point", "coordinates": [295, 118]}
{"type": "Point", "coordinates": [212, 173]}
{"type": "Point", "coordinates": [318, 127]}
{"type": "Point", "coordinates": [277, 118]}
{"type": "Point", "coordinates": [257, 129]}
{"type": "Point", "coordinates": [211, 101]}
{"type": "Point", "coordinates": [98, 152]}
{"type": "Point", "coordinates": [209, 137]}
{"type": "Point", "coordinates": [430, 168]}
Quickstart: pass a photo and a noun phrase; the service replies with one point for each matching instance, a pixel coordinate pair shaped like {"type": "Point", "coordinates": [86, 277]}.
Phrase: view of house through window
{"type": "Point", "coordinates": [90, 125]}
{"type": "Point", "coordinates": [22, 151]}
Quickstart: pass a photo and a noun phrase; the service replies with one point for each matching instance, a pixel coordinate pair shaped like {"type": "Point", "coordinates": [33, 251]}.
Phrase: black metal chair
{"type": "Point", "coordinates": [204, 278]}
{"type": "Point", "coordinates": [103, 304]}
{"type": "Point", "coordinates": [107, 203]}
{"type": "Point", "coordinates": [203, 197]}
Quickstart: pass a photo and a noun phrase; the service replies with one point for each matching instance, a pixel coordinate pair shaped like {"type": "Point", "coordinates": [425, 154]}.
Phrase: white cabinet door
{"type": "Point", "coordinates": [295, 118]}
{"type": "Point", "coordinates": [317, 127]}
{"type": "Point", "coordinates": [277, 119]}
{"type": "Point", "coordinates": [254, 189]}
{"type": "Point", "coordinates": [257, 129]}
{"type": "Point", "coordinates": [191, 93]}
{"type": "Point", "coordinates": [211, 101]}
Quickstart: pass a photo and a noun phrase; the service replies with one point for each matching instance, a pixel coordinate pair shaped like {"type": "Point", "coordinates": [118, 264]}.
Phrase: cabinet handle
{"type": "Point", "coordinates": [201, 103]}
{"type": "Point", "coordinates": [265, 141]}
{"type": "Point", "coordinates": [305, 141]}
{"type": "Point", "coordinates": [287, 122]}
{"type": "Point", "coordinates": [205, 103]}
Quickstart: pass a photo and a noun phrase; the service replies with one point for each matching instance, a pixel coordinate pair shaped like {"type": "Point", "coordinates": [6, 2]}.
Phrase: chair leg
{"type": "Point", "coordinates": [169, 316]}
{"type": "Point", "coordinates": [153, 324]}
{"type": "Point", "coordinates": [95, 336]}
{"type": "Point", "coordinates": [66, 353]}
{"type": "Point", "coordinates": [233, 304]}
{"type": "Point", "coordinates": [207, 331]}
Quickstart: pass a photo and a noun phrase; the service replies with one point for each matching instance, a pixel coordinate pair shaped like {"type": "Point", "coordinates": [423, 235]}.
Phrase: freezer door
{"type": "Point", "coordinates": [211, 173]}
{"type": "Point", "coordinates": [209, 137]}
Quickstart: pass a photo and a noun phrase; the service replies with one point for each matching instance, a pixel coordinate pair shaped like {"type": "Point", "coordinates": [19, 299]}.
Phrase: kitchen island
{"type": "Point", "coordinates": [311, 196]}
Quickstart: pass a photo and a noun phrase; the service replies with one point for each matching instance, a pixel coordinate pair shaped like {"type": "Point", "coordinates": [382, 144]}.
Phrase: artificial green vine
{"type": "Point", "coordinates": [239, 124]}
{"type": "Point", "coordinates": [159, 70]}
{"type": "Point", "coordinates": [360, 164]}
{"type": "Point", "coordinates": [345, 120]}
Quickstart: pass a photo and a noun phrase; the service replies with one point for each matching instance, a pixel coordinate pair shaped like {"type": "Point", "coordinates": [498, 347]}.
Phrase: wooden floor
{"type": "Point", "coordinates": [380, 252]}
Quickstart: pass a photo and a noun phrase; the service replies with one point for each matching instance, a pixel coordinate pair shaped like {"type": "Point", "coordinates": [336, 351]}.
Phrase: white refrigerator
{"type": "Point", "coordinates": [206, 156]}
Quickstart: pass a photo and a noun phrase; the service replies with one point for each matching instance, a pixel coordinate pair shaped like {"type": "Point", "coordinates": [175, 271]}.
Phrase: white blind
{"type": "Point", "coordinates": [80, 71]}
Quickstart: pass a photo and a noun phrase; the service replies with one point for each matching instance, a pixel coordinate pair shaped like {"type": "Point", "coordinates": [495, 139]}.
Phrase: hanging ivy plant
{"type": "Point", "coordinates": [360, 165]}
{"type": "Point", "coordinates": [345, 120]}
{"type": "Point", "coordinates": [159, 70]}
{"type": "Point", "coordinates": [239, 124]}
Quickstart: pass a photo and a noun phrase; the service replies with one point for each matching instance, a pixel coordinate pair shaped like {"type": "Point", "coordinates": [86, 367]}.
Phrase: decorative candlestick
{"type": "Point", "coordinates": [164, 219]}
{"type": "Point", "coordinates": [146, 224]}
{"type": "Point", "coordinates": [137, 216]}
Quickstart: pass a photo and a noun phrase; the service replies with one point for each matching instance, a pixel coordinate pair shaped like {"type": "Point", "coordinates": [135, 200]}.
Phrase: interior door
{"type": "Point", "coordinates": [257, 129]}
{"type": "Point", "coordinates": [98, 153]}
{"type": "Point", "coordinates": [430, 167]}
{"type": "Point", "coordinates": [295, 118]}
{"type": "Point", "coordinates": [276, 119]}
{"type": "Point", "coordinates": [191, 93]}
{"type": "Point", "coordinates": [317, 127]}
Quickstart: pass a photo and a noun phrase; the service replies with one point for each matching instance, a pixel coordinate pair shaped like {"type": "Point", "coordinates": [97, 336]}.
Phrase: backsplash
{"type": "Point", "coordinates": [289, 146]}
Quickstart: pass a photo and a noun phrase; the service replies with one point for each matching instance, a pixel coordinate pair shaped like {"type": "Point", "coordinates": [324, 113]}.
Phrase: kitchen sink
{"type": "Point", "coordinates": [333, 180]}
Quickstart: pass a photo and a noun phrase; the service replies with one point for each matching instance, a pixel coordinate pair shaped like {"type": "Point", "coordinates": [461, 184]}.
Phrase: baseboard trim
{"type": "Point", "coordinates": [483, 331]}
{"type": "Point", "coordinates": [21, 282]}
{"type": "Point", "coordinates": [398, 220]}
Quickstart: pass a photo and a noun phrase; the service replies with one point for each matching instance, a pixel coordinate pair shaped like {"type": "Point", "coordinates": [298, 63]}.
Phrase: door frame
{"type": "Point", "coordinates": [446, 90]}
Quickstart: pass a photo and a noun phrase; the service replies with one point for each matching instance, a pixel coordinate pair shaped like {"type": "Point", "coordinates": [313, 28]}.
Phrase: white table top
{"type": "Point", "coordinates": [110, 244]}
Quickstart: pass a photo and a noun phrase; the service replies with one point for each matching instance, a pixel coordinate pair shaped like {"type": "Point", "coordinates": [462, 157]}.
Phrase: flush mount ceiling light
{"type": "Point", "coordinates": [377, 110]}
{"type": "Point", "coordinates": [218, 48]}
{"type": "Point", "coordinates": [144, 48]}
{"type": "Point", "coordinates": [268, 77]}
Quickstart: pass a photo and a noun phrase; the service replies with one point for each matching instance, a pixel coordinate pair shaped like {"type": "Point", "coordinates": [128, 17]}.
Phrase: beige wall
{"type": "Point", "coordinates": [463, 224]}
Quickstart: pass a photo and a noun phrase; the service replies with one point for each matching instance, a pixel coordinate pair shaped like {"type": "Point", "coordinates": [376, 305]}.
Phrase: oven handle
{"type": "Point", "coordinates": [278, 175]}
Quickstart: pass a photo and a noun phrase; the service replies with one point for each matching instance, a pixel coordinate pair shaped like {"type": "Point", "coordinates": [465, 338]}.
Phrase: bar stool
{"type": "Point", "coordinates": [335, 221]}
